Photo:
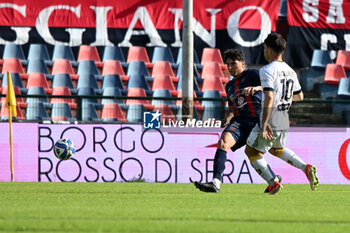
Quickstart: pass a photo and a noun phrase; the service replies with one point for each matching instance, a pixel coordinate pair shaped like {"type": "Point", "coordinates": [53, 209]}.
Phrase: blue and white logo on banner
{"type": "Point", "coordinates": [151, 120]}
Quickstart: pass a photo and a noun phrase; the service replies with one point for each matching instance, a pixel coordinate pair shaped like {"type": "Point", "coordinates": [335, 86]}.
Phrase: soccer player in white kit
{"type": "Point", "coordinates": [280, 87]}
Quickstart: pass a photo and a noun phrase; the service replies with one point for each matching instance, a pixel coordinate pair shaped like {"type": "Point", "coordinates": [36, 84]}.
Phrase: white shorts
{"type": "Point", "coordinates": [256, 140]}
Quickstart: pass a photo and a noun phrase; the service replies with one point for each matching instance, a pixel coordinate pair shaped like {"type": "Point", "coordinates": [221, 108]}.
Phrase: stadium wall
{"type": "Point", "coordinates": [122, 152]}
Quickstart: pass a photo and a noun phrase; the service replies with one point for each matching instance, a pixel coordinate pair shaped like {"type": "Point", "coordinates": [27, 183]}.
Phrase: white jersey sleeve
{"type": "Point", "coordinates": [267, 80]}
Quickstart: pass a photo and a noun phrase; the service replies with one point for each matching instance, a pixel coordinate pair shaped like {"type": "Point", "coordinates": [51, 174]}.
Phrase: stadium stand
{"type": "Point", "coordinates": [344, 88]}
{"type": "Point", "coordinates": [139, 81]}
{"type": "Point", "coordinates": [33, 90]}
{"type": "Point", "coordinates": [212, 108]}
{"type": "Point", "coordinates": [195, 73]}
{"type": "Point", "coordinates": [196, 103]}
{"type": "Point", "coordinates": [212, 54]}
{"type": "Point", "coordinates": [112, 112]}
{"type": "Point", "coordinates": [88, 80]}
{"type": "Point", "coordinates": [36, 111]}
{"type": "Point", "coordinates": [135, 113]}
{"type": "Point", "coordinates": [214, 83]}
{"type": "Point", "coordinates": [88, 52]}
{"type": "Point", "coordinates": [87, 67]}
{"type": "Point", "coordinates": [39, 80]}
{"type": "Point", "coordinates": [62, 66]}
{"type": "Point", "coordinates": [56, 91]}
{"type": "Point", "coordinates": [14, 51]}
{"type": "Point", "coordinates": [64, 80]}
{"type": "Point", "coordinates": [138, 92]}
{"type": "Point", "coordinates": [38, 66]}
{"type": "Point", "coordinates": [195, 86]}
{"type": "Point", "coordinates": [320, 59]}
{"type": "Point", "coordinates": [162, 93]}
{"type": "Point", "coordinates": [112, 67]}
{"type": "Point", "coordinates": [20, 100]}
{"type": "Point", "coordinates": [195, 59]}
{"type": "Point", "coordinates": [89, 112]}
{"type": "Point", "coordinates": [112, 92]}
{"type": "Point", "coordinates": [113, 80]}
{"type": "Point", "coordinates": [139, 68]}
{"type": "Point", "coordinates": [163, 68]}
{"type": "Point", "coordinates": [64, 52]}
{"type": "Point", "coordinates": [114, 53]}
{"type": "Point", "coordinates": [309, 78]}
{"type": "Point", "coordinates": [334, 73]}
{"type": "Point", "coordinates": [13, 65]}
{"type": "Point", "coordinates": [61, 112]}
{"type": "Point", "coordinates": [139, 53]}
{"type": "Point", "coordinates": [212, 68]}
{"type": "Point", "coordinates": [16, 81]}
{"type": "Point", "coordinates": [39, 51]}
{"type": "Point", "coordinates": [4, 114]}
{"type": "Point", "coordinates": [88, 91]}
{"type": "Point", "coordinates": [163, 54]}
{"type": "Point", "coordinates": [164, 82]}
{"type": "Point", "coordinates": [343, 59]}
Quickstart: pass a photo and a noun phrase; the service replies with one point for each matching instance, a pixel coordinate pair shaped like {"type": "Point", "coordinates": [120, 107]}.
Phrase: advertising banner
{"type": "Point", "coordinates": [221, 24]}
{"type": "Point", "coordinates": [113, 153]}
{"type": "Point", "coordinates": [25, 152]}
{"type": "Point", "coordinates": [321, 24]}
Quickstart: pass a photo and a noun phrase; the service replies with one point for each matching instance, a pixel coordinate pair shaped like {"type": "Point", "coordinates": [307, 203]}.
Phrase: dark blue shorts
{"type": "Point", "coordinates": [240, 130]}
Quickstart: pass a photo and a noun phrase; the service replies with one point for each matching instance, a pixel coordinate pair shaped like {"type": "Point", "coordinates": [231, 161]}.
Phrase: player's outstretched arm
{"type": "Point", "coordinates": [298, 97]}
{"type": "Point", "coordinates": [251, 90]}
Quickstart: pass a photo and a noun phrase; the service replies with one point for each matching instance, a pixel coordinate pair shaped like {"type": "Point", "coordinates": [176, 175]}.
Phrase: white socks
{"type": "Point", "coordinates": [217, 183]}
{"type": "Point", "coordinates": [290, 157]}
{"type": "Point", "coordinates": [261, 166]}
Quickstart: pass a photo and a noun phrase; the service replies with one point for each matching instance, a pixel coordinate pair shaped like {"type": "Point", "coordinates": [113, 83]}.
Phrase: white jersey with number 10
{"type": "Point", "coordinates": [282, 80]}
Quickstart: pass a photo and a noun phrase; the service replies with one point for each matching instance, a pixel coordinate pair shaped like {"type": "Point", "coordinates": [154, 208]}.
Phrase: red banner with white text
{"type": "Point", "coordinates": [222, 24]}
{"type": "Point", "coordinates": [321, 24]}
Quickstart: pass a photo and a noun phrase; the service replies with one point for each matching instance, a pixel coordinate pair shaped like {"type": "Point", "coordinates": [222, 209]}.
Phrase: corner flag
{"type": "Point", "coordinates": [10, 97]}
{"type": "Point", "coordinates": [11, 105]}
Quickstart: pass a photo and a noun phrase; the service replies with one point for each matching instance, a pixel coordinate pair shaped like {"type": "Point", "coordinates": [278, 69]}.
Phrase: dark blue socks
{"type": "Point", "coordinates": [219, 163]}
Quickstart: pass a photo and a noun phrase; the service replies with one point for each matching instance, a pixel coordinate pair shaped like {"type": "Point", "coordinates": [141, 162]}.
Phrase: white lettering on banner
{"type": "Point", "coordinates": [198, 28]}
{"type": "Point", "coordinates": [311, 11]}
{"type": "Point", "coordinates": [233, 30]}
{"type": "Point", "coordinates": [202, 33]}
{"type": "Point", "coordinates": [43, 28]}
{"type": "Point", "coordinates": [178, 15]}
{"type": "Point", "coordinates": [145, 19]}
{"type": "Point", "coordinates": [335, 12]}
{"type": "Point", "coordinates": [101, 26]}
{"type": "Point", "coordinates": [325, 38]}
{"type": "Point", "coordinates": [23, 31]}
{"type": "Point", "coordinates": [347, 42]}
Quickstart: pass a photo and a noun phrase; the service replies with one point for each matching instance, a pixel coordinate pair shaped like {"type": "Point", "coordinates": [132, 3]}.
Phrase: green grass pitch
{"type": "Point", "coordinates": [155, 207]}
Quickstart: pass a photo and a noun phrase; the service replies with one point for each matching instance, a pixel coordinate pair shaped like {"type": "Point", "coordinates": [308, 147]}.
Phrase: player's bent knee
{"type": "Point", "coordinates": [276, 151]}
{"type": "Point", "coordinates": [252, 154]}
{"type": "Point", "coordinates": [222, 145]}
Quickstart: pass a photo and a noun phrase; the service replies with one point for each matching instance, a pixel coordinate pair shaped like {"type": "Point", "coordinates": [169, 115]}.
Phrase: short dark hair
{"type": "Point", "coordinates": [233, 54]}
{"type": "Point", "coordinates": [276, 42]}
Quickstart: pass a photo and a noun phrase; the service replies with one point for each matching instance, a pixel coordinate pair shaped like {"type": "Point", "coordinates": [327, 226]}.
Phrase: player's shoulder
{"type": "Point", "coordinates": [252, 72]}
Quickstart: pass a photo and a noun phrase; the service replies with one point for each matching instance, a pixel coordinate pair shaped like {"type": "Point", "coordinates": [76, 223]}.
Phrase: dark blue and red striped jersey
{"type": "Point", "coordinates": [245, 106]}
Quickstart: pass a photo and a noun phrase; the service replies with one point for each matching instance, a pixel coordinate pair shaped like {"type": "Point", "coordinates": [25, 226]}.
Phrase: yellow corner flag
{"type": "Point", "coordinates": [11, 105]}
{"type": "Point", "coordinates": [10, 97]}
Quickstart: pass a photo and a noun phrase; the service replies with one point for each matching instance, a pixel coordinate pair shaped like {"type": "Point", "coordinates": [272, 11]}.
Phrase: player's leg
{"type": "Point", "coordinates": [256, 147]}
{"type": "Point", "coordinates": [228, 139]}
{"type": "Point", "coordinates": [225, 143]}
{"type": "Point", "coordinates": [290, 157]}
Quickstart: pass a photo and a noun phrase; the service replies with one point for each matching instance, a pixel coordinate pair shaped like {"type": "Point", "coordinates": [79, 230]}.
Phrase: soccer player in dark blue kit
{"type": "Point", "coordinates": [244, 94]}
